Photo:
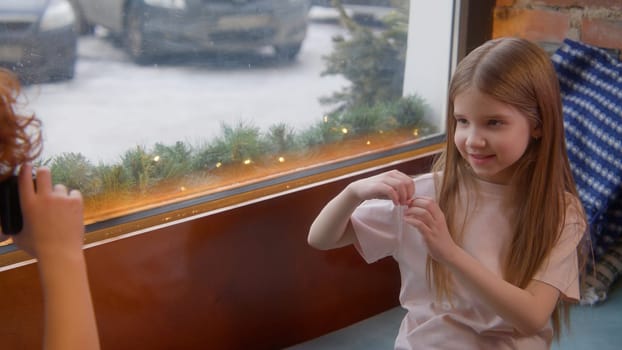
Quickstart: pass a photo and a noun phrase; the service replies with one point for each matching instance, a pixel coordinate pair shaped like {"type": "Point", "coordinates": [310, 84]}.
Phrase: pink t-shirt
{"type": "Point", "coordinates": [466, 323]}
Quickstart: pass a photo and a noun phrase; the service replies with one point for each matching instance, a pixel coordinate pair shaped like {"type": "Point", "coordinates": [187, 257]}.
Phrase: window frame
{"type": "Point", "coordinates": [431, 84]}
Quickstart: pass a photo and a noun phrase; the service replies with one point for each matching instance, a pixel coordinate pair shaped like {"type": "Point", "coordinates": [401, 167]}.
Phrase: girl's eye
{"type": "Point", "coordinates": [461, 121]}
{"type": "Point", "coordinates": [494, 122]}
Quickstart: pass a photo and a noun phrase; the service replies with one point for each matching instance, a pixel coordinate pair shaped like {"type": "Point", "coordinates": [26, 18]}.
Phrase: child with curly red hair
{"type": "Point", "coordinates": [52, 229]}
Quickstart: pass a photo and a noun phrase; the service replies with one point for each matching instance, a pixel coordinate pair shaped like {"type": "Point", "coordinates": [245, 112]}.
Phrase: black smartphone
{"type": "Point", "coordinates": [10, 209]}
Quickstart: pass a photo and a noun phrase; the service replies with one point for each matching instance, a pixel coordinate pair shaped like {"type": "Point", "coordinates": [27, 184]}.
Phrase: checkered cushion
{"type": "Point", "coordinates": [591, 87]}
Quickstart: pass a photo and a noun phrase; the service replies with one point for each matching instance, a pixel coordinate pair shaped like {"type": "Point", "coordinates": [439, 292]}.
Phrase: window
{"type": "Point", "coordinates": [165, 109]}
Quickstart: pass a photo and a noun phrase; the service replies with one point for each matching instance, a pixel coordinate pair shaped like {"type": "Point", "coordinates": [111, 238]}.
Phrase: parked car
{"type": "Point", "coordinates": [375, 3]}
{"type": "Point", "coordinates": [151, 28]}
{"type": "Point", "coordinates": [37, 39]}
{"type": "Point", "coordinates": [362, 9]}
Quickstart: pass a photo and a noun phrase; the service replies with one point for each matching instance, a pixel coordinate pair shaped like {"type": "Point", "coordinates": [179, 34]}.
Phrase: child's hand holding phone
{"type": "Point", "coordinates": [52, 216]}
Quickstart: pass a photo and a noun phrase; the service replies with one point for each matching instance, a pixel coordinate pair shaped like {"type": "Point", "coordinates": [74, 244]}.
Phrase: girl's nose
{"type": "Point", "coordinates": [474, 139]}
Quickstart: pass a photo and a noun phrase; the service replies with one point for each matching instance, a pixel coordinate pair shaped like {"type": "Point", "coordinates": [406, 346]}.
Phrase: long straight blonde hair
{"type": "Point", "coordinates": [517, 72]}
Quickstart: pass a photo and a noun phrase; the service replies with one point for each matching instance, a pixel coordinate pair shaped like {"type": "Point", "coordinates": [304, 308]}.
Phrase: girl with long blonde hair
{"type": "Point", "coordinates": [488, 243]}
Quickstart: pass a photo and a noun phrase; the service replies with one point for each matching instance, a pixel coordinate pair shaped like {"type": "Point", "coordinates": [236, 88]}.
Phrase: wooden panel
{"type": "Point", "coordinates": [240, 279]}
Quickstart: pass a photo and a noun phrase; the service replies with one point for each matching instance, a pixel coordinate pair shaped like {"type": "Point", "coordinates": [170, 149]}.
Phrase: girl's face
{"type": "Point", "coordinates": [490, 135]}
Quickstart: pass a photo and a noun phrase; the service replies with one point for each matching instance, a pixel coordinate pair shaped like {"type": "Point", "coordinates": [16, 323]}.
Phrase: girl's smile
{"type": "Point", "coordinates": [479, 159]}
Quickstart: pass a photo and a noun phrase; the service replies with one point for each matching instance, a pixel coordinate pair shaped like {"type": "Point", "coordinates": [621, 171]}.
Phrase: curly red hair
{"type": "Point", "coordinates": [20, 135]}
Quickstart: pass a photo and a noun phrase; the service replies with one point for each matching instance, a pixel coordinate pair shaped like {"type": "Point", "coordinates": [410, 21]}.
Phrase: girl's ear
{"type": "Point", "coordinates": [536, 132]}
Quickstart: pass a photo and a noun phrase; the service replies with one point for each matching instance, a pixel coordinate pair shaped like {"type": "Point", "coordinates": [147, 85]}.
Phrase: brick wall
{"type": "Point", "coordinates": [595, 22]}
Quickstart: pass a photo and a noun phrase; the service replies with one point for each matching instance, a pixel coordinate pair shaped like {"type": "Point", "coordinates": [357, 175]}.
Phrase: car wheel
{"type": "Point", "coordinates": [135, 42]}
{"type": "Point", "coordinates": [65, 73]}
{"type": "Point", "coordinates": [287, 52]}
{"type": "Point", "coordinates": [65, 69]}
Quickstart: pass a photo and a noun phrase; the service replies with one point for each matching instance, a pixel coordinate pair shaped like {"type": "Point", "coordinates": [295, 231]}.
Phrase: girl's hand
{"type": "Point", "coordinates": [53, 219]}
{"type": "Point", "coordinates": [425, 215]}
{"type": "Point", "coordinates": [393, 185]}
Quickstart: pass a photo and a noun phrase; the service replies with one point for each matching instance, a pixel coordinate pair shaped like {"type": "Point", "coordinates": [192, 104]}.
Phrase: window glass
{"type": "Point", "coordinates": [150, 103]}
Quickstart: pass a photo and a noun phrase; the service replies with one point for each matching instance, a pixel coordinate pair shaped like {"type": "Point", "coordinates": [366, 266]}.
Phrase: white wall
{"type": "Point", "coordinates": [430, 56]}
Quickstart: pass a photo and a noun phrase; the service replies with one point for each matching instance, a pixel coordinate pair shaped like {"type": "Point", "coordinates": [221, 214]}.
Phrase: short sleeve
{"type": "Point", "coordinates": [377, 225]}
{"type": "Point", "coordinates": [561, 269]}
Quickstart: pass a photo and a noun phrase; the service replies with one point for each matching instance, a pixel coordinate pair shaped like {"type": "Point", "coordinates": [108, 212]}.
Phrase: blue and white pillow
{"type": "Point", "coordinates": [591, 85]}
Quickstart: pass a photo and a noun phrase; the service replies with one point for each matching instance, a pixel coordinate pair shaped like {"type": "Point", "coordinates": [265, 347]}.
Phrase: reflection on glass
{"type": "Point", "coordinates": [175, 99]}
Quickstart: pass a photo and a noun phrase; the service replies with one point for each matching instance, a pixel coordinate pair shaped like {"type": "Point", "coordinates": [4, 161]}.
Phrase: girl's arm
{"type": "Point", "coordinates": [69, 317]}
{"type": "Point", "coordinates": [528, 310]}
{"type": "Point", "coordinates": [53, 233]}
{"type": "Point", "coordinates": [331, 228]}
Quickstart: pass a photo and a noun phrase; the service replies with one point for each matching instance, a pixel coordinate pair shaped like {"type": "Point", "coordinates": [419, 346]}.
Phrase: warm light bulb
{"type": "Point", "coordinates": [325, 119]}
{"type": "Point", "coordinates": [247, 161]}
{"type": "Point", "coordinates": [156, 158]}
{"type": "Point", "coordinates": [281, 159]}
{"type": "Point", "coordinates": [416, 132]}
{"type": "Point", "coordinates": [218, 165]}
{"type": "Point", "coordinates": [368, 143]}
{"type": "Point", "coordinates": [344, 130]}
